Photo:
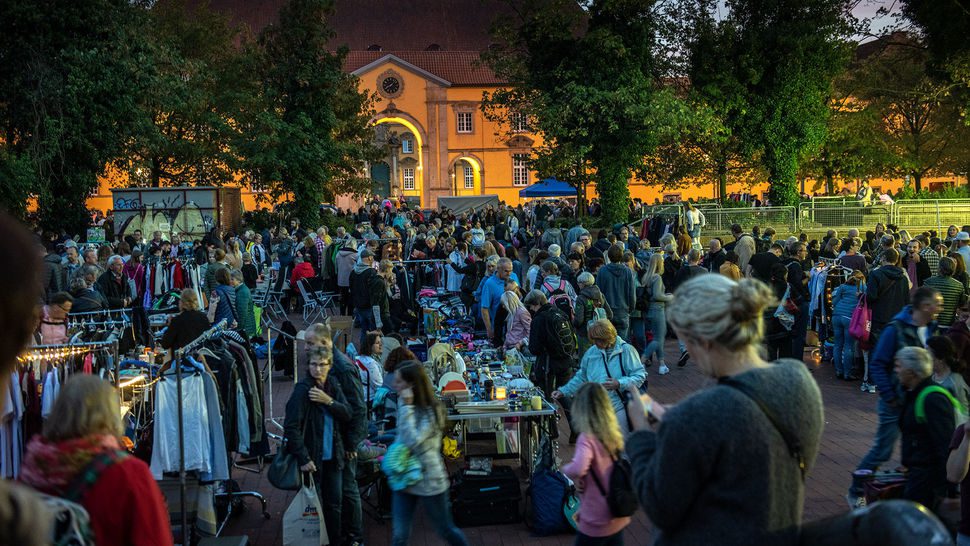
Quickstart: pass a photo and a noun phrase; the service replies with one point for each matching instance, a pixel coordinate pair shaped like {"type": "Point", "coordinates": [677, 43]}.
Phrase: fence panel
{"type": "Point", "coordinates": [920, 215]}
{"type": "Point", "coordinates": [719, 221]}
{"type": "Point", "coordinates": [817, 215]}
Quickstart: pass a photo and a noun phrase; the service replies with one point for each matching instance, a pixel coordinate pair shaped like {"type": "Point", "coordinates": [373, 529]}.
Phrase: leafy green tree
{"type": "Point", "coordinates": [69, 81]}
{"type": "Point", "coordinates": [946, 25]}
{"type": "Point", "coordinates": [586, 75]}
{"type": "Point", "coordinates": [920, 128]}
{"type": "Point", "coordinates": [786, 55]}
{"type": "Point", "coordinates": [200, 80]}
{"type": "Point", "coordinates": [312, 136]}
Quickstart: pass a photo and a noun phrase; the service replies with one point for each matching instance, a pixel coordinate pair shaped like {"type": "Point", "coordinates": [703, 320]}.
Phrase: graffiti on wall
{"type": "Point", "coordinates": [187, 221]}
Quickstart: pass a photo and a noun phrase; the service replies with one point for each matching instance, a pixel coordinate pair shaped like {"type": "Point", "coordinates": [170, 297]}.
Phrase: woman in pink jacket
{"type": "Point", "coordinates": [600, 442]}
{"type": "Point", "coordinates": [519, 321]}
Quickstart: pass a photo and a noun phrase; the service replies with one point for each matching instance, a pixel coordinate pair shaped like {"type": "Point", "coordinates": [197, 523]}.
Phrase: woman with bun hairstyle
{"type": "Point", "coordinates": [717, 468]}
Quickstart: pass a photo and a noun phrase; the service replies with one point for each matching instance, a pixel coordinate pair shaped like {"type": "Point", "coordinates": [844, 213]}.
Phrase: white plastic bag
{"type": "Point", "coordinates": [303, 523]}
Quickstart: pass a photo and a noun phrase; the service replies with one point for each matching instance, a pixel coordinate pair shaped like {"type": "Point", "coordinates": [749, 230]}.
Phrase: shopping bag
{"type": "Point", "coordinates": [860, 326]}
{"type": "Point", "coordinates": [303, 521]}
{"type": "Point", "coordinates": [782, 312]}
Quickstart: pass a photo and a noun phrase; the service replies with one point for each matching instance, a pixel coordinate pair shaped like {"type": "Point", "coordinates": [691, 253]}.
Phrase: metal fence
{"type": "Point", "coordinates": [841, 215]}
{"type": "Point", "coordinates": [719, 221]}
{"type": "Point", "coordinates": [919, 215]}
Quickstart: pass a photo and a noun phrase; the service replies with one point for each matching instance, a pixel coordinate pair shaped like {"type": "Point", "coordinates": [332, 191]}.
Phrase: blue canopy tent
{"type": "Point", "coordinates": [549, 187]}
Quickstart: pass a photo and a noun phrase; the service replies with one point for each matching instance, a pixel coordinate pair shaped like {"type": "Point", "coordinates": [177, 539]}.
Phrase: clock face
{"type": "Point", "coordinates": [390, 85]}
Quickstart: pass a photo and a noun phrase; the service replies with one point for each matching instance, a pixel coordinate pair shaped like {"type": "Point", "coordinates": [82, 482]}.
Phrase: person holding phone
{"type": "Point", "coordinates": [420, 420]}
{"type": "Point", "coordinates": [727, 465]}
{"type": "Point", "coordinates": [316, 415]}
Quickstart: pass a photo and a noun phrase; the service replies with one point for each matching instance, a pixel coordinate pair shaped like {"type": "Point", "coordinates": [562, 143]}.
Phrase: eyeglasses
{"type": "Point", "coordinates": [319, 365]}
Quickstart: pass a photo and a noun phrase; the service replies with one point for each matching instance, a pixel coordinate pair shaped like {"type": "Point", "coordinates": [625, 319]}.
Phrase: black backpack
{"type": "Point", "coordinates": [562, 338]}
{"type": "Point", "coordinates": [761, 245]}
{"type": "Point", "coordinates": [621, 498]}
{"type": "Point", "coordinates": [559, 298]}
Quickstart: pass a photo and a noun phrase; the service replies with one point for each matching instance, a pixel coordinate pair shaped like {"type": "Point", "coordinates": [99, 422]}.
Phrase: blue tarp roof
{"type": "Point", "coordinates": [549, 187]}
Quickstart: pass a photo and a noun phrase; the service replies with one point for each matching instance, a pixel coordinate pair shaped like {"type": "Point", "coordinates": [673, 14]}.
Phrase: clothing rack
{"type": "Point", "coordinates": [46, 353]}
{"type": "Point", "coordinates": [269, 367]}
{"type": "Point", "coordinates": [180, 354]}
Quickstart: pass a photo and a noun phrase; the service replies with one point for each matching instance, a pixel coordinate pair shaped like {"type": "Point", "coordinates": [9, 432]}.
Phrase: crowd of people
{"type": "Point", "coordinates": [596, 309]}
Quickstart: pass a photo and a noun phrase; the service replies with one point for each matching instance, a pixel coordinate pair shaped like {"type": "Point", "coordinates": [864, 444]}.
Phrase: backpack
{"type": "Point", "coordinates": [551, 499]}
{"type": "Point", "coordinates": [761, 245]}
{"type": "Point", "coordinates": [562, 339]}
{"type": "Point", "coordinates": [559, 298]}
{"type": "Point", "coordinates": [595, 310]}
{"type": "Point", "coordinates": [621, 498]}
{"type": "Point", "coordinates": [920, 409]}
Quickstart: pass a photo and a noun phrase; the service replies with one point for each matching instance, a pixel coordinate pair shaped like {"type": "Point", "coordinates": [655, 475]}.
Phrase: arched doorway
{"type": "Point", "coordinates": [406, 155]}
{"type": "Point", "coordinates": [466, 173]}
{"type": "Point", "coordinates": [380, 173]}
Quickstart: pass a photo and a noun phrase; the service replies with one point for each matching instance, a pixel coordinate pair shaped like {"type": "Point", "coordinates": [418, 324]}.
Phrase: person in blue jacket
{"type": "Point", "coordinates": [911, 327]}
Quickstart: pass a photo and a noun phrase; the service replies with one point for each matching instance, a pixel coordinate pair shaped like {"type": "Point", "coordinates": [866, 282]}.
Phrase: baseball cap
{"type": "Point", "coordinates": [367, 253]}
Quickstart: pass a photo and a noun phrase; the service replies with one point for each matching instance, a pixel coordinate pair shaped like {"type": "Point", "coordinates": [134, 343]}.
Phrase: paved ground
{"type": "Point", "coordinates": [850, 421]}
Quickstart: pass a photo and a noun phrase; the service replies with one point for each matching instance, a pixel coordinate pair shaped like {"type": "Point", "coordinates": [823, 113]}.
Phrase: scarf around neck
{"type": "Point", "coordinates": [50, 467]}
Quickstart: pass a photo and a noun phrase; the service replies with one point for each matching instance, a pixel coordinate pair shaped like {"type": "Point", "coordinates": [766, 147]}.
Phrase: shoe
{"type": "Point", "coordinates": [839, 376]}
{"type": "Point", "coordinates": [664, 370]}
{"type": "Point", "coordinates": [855, 502]}
{"type": "Point", "coordinates": [851, 377]}
{"type": "Point", "coordinates": [647, 362]}
{"type": "Point", "coordinates": [682, 361]}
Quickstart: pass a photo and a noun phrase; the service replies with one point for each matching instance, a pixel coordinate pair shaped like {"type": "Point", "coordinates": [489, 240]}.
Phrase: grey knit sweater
{"type": "Point", "coordinates": [718, 472]}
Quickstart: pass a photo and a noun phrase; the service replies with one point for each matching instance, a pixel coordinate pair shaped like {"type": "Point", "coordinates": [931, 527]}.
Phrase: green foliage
{"type": "Point", "coordinates": [312, 135]}
{"type": "Point", "coordinates": [70, 78]}
{"type": "Point", "coordinates": [952, 192]}
{"type": "Point", "coordinates": [946, 25]}
{"type": "Point", "coordinates": [587, 82]}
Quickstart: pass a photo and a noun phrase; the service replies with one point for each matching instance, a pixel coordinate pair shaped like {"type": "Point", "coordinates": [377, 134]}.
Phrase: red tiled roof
{"type": "Point", "coordinates": [458, 67]}
{"type": "Point", "coordinates": [401, 25]}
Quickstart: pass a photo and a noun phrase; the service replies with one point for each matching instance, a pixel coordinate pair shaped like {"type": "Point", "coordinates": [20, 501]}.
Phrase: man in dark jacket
{"type": "Point", "coordinates": [54, 280]}
{"type": "Point", "coordinates": [114, 285]}
{"type": "Point", "coordinates": [553, 367]}
{"type": "Point", "coordinates": [887, 291]}
{"type": "Point", "coordinates": [366, 311]}
{"type": "Point", "coordinates": [910, 328]}
{"type": "Point", "coordinates": [619, 285]}
{"type": "Point", "coordinates": [715, 256]}
{"type": "Point", "coordinates": [926, 424]}
{"type": "Point", "coordinates": [798, 284]}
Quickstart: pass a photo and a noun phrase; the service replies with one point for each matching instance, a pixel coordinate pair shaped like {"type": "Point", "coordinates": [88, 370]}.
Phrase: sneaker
{"type": "Point", "coordinates": [664, 370]}
{"type": "Point", "coordinates": [682, 361]}
{"type": "Point", "coordinates": [855, 502]}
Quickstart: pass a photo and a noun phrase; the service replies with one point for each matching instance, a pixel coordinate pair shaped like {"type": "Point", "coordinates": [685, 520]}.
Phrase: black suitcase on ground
{"type": "Point", "coordinates": [491, 499]}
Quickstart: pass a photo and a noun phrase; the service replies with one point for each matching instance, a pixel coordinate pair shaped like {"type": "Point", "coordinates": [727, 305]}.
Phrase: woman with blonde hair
{"type": "Point", "coordinates": [186, 326]}
{"type": "Point", "coordinates": [725, 431]}
{"type": "Point", "coordinates": [654, 317]}
{"type": "Point", "coordinates": [234, 258]}
{"type": "Point", "coordinates": [599, 444]}
{"type": "Point", "coordinates": [80, 457]}
{"type": "Point", "coordinates": [519, 320]}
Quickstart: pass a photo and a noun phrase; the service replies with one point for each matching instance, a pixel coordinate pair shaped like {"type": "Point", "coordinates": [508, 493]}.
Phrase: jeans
{"type": "Point", "coordinates": [887, 434]}
{"type": "Point", "coordinates": [550, 378]}
{"type": "Point", "coordinates": [622, 325]}
{"type": "Point", "coordinates": [351, 517]}
{"type": "Point", "coordinates": [843, 354]}
{"type": "Point", "coordinates": [365, 318]}
{"type": "Point", "coordinates": [798, 331]}
{"type": "Point", "coordinates": [926, 486]}
{"type": "Point", "coordinates": [439, 515]}
{"type": "Point", "coordinates": [612, 540]}
{"type": "Point", "coordinates": [329, 482]}
{"type": "Point", "coordinates": [637, 334]}
{"type": "Point", "coordinates": [963, 540]}
{"type": "Point", "coordinates": [658, 325]}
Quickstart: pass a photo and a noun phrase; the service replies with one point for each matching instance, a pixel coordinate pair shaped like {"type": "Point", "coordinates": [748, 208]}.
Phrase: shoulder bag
{"type": "Point", "coordinates": [284, 471]}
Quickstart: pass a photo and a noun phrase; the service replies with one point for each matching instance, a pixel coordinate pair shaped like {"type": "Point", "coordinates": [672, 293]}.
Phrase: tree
{"type": "Point", "coordinates": [311, 138]}
{"type": "Point", "coordinates": [586, 76]}
{"type": "Point", "coordinates": [201, 79]}
{"type": "Point", "coordinates": [946, 25]}
{"type": "Point", "coordinates": [69, 82]}
{"type": "Point", "coordinates": [920, 127]}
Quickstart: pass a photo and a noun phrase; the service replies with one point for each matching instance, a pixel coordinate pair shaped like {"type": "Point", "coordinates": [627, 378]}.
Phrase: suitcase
{"type": "Point", "coordinates": [490, 499]}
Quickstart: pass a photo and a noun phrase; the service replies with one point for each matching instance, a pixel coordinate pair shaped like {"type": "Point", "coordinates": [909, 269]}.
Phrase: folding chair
{"type": "Point", "coordinates": [310, 306]}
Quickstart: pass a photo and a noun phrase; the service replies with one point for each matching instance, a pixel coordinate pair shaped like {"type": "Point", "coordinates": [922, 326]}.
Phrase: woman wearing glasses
{"type": "Point", "coordinates": [316, 414]}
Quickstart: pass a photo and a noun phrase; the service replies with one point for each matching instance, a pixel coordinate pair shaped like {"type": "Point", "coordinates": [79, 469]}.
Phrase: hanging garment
{"type": "Point", "coordinates": [218, 452]}
{"type": "Point", "coordinates": [196, 435]}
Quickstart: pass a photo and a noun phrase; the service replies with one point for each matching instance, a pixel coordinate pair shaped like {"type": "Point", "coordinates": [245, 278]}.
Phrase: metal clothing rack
{"type": "Point", "coordinates": [269, 368]}
{"type": "Point", "coordinates": [40, 352]}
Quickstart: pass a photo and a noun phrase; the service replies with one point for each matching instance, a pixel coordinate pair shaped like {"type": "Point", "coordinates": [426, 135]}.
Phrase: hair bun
{"type": "Point", "coordinates": [749, 299]}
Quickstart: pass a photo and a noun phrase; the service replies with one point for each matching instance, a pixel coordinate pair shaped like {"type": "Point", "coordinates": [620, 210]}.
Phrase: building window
{"type": "Point", "coordinates": [519, 122]}
{"type": "Point", "coordinates": [407, 174]}
{"type": "Point", "coordinates": [469, 178]}
{"type": "Point", "coordinates": [464, 122]}
{"type": "Point", "coordinates": [407, 145]}
{"type": "Point", "coordinates": [520, 170]}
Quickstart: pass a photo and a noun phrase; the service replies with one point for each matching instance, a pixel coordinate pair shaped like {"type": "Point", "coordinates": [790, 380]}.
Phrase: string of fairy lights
{"type": "Point", "coordinates": [53, 354]}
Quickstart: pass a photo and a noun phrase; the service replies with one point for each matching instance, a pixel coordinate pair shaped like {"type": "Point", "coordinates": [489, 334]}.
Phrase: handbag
{"type": "Point", "coordinates": [783, 314]}
{"type": "Point", "coordinates": [284, 471]}
{"type": "Point", "coordinates": [860, 326]}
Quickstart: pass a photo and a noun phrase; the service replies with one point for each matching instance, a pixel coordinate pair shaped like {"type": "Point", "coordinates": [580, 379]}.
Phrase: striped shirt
{"type": "Point", "coordinates": [953, 296]}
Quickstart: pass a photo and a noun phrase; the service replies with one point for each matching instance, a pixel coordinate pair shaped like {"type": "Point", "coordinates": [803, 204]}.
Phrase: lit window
{"type": "Point", "coordinates": [469, 177]}
{"type": "Point", "coordinates": [519, 122]}
{"type": "Point", "coordinates": [407, 174]}
{"type": "Point", "coordinates": [520, 170]}
{"type": "Point", "coordinates": [407, 146]}
{"type": "Point", "coordinates": [464, 122]}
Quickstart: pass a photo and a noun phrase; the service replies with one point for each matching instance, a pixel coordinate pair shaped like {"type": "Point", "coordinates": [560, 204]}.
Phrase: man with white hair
{"type": "Point", "coordinates": [555, 256]}
{"type": "Point", "coordinates": [963, 246]}
{"type": "Point", "coordinates": [114, 285]}
{"type": "Point", "coordinates": [926, 424]}
{"type": "Point", "coordinates": [715, 256]}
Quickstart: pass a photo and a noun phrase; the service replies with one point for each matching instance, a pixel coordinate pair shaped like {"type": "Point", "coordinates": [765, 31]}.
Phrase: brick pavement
{"type": "Point", "coordinates": [850, 422]}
